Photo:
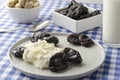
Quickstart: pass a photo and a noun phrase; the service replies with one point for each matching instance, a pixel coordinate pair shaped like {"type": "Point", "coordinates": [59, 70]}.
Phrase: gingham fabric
{"type": "Point", "coordinates": [109, 70]}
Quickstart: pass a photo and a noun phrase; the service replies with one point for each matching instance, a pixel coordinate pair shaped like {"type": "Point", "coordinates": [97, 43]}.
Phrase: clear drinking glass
{"type": "Point", "coordinates": [111, 22]}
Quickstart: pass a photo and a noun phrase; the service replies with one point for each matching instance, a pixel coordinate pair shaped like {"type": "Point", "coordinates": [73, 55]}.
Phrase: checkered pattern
{"type": "Point", "coordinates": [109, 70]}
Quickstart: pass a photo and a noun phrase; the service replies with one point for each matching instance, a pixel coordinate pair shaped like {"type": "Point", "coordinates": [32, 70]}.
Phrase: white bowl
{"type": "Point", "coordinates": [20, 15]}
{"type": "Point", "coordinates": [77, 25]}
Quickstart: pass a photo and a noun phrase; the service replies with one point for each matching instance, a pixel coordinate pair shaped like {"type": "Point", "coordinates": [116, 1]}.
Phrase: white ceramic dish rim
{"type": "Point", "coordinates": [44, 76]}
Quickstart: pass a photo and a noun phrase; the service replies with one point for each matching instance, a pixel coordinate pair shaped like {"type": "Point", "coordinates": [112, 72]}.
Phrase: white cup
{"type": "Point", "coordinates": [111, 22]}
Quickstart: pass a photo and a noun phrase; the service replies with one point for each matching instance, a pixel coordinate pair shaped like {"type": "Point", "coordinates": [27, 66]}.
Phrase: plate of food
{"type": "Point", "coordinates": [56, 56]}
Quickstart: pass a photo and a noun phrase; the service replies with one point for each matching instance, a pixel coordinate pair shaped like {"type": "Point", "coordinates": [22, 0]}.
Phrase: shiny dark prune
{"type": "Point", "coordinates": [84, 16]}
{"type": "Point", "coordinates": [76, 10]}
{"type": "Point", "coordinates": [58, 62]}
{"type": "Point", "coordinates": [18, 52]}
{"type": "Point", "coordinates": [74, 38]}
{"type": "Point", "coordinates": [35, 36]}
{"type": "Point", "coordinates": [49, 38]}
{"type": "Point", "coordinates": [85, 41]}
{"type": "Point", "coordinates": [64, 12]}
{"type": "Point", "coordinates": [34, 39]}
{"type": "Point", "coordinates": [96, 12]}
{"type": "Point", "coordinates": [73, 55]}
{"type": "Point", "coordinates": [44, 36]}
{"type": "Point", "coordinates": [52, 39]}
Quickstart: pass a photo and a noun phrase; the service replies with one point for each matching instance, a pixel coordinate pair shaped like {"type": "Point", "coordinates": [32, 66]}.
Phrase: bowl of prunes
{"type": "Point", "coordinates": [77, 17]}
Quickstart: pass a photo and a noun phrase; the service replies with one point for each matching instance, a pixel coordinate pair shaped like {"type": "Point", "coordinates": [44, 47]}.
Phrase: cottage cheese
{"type": "Point", "coordinates": [39, 53]}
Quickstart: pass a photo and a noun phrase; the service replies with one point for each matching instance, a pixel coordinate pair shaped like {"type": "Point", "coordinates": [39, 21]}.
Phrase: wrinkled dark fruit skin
{"type": "Point", "coordinates": [35, 36]}
{"type": "Point", "coordinates": [73, 55]}
{"type": "Point", "coordinates": [95, 12]}
{"type": "Point", "coordinates": [44, 36]}
{"type": "Point", "coordinates": [62, 60]}
{"type": "Point", "coordinates": [58, 62]}
{"type": "Point", "coordinates": [18, 52]}
{"type": "Point", "coordinates": [74, 39]}
{"type": "Point", "coordinates": [51, 39]}
{"type": "Point", "coordinates": [64, 12]}
{"type": "Point", "coordinates": [34, 39]}
{"type": "Point", "coordinates": [80, 39]}
{"type": "Point", "coordinates": [85, 41]}
{"type": "Point", "coordinates": [78, 11]}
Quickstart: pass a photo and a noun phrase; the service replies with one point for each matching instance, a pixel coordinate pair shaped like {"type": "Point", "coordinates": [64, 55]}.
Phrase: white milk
{"type": "Point", "coordinates": [111, 21]}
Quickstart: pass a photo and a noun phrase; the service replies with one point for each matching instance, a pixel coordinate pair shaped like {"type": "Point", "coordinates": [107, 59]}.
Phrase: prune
{"type": "Point", "coordinates": [44, 36]}
{"type": "Point", "coordinates": [85, 10]}
{"type": "Point", "coordinates": [34, 39]}
{"type": "Point", "coordinates": [78, 11]}
{"type": "Point", "coordinates": [73, 55]}
{"type": "Point", "coordinates": [35, 36]}
{"type": "Point", "coordinates": [18, 52]}
{"type": "Point", "coordinates": [96, 12]}
{"type": "Point", "coordinates": [64, 12]}
{"type": "Point", "coordinates": [84, 16]}
{"type": "Point", "coordinates": [75, 10]}
{"type": "Point", "coordinates": [72, 2]}
{"type": "Point", "coordinates": [52, 40]}
{"type": "Point", "coordinates": [85, 41]}
{"type": "Point", "coordinates": [74, 38]}
{"type": "Point", "coordinates": [80, 39]}
{"type": "Point", "coordinates": [58, 62]}
{"type": "Point", "coordinates": [49, 38]}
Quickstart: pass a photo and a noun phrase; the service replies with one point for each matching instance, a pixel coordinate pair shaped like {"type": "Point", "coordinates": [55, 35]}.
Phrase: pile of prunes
{"type": "Point", "coordinates": [78, 11]}
{"type": "Point", "coordinates": [80, 39]}
{"type": "Point", "coordinates": [61, 60]}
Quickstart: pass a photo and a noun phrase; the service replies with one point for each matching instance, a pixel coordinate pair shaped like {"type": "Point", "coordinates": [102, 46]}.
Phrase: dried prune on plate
{"type": "Point", "coordinates": [18, 51]}
{"type": "Point", "coordinates": [74, 38]}
{"type": "Point", "coordinates": [34, 39]}
{"type": "Point", "coordinates": [80, 39]}
{"type": "Point", "coordinates": [58, 62]}
{"type": "Point", "coordinates": [49, 38]}
{"type": "Point", "coordinates": [73, 55]}
{"type": "Point", "coordinates": [52, 39]}
{"type": "Point", "coordinates": [44, 34]}
{"type": "Point", "coordinates": [35, 36]}
{"type": "Point", "coordinates": [85, 41]}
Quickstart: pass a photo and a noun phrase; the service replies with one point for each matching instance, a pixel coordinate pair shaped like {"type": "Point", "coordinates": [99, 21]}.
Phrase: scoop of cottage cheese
{"type": "Point", "coordinates": [39, 53]}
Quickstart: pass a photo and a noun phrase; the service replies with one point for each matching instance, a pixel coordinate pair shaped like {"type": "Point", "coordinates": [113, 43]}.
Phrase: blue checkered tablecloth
{"type": "Point", "coordinates": [109, 70]}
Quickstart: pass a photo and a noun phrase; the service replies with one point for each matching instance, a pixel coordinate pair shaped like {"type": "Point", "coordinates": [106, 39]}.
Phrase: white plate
{"type": "Point", "coordinates": [92, 58]}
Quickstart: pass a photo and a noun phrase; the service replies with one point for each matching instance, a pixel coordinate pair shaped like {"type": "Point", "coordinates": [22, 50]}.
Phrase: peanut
{"type": "Point", "coordinates": [18, 5]}
{"type": "Point", "coordinates": [23, 3]}
{"type": "Point", "coordinates": [28, 5]}
{"type": "Point", "coordinates": [11, 4]}
{"type": "Point", "coordinates": [36, 4]}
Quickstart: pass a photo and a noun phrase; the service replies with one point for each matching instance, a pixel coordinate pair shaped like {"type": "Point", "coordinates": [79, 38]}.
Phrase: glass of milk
{"type": "Point", "coordinates": [111, 22]}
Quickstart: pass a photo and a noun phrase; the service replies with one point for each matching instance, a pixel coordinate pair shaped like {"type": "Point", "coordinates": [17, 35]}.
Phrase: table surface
{"type": "Point", "coordinates": [109, 70]}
